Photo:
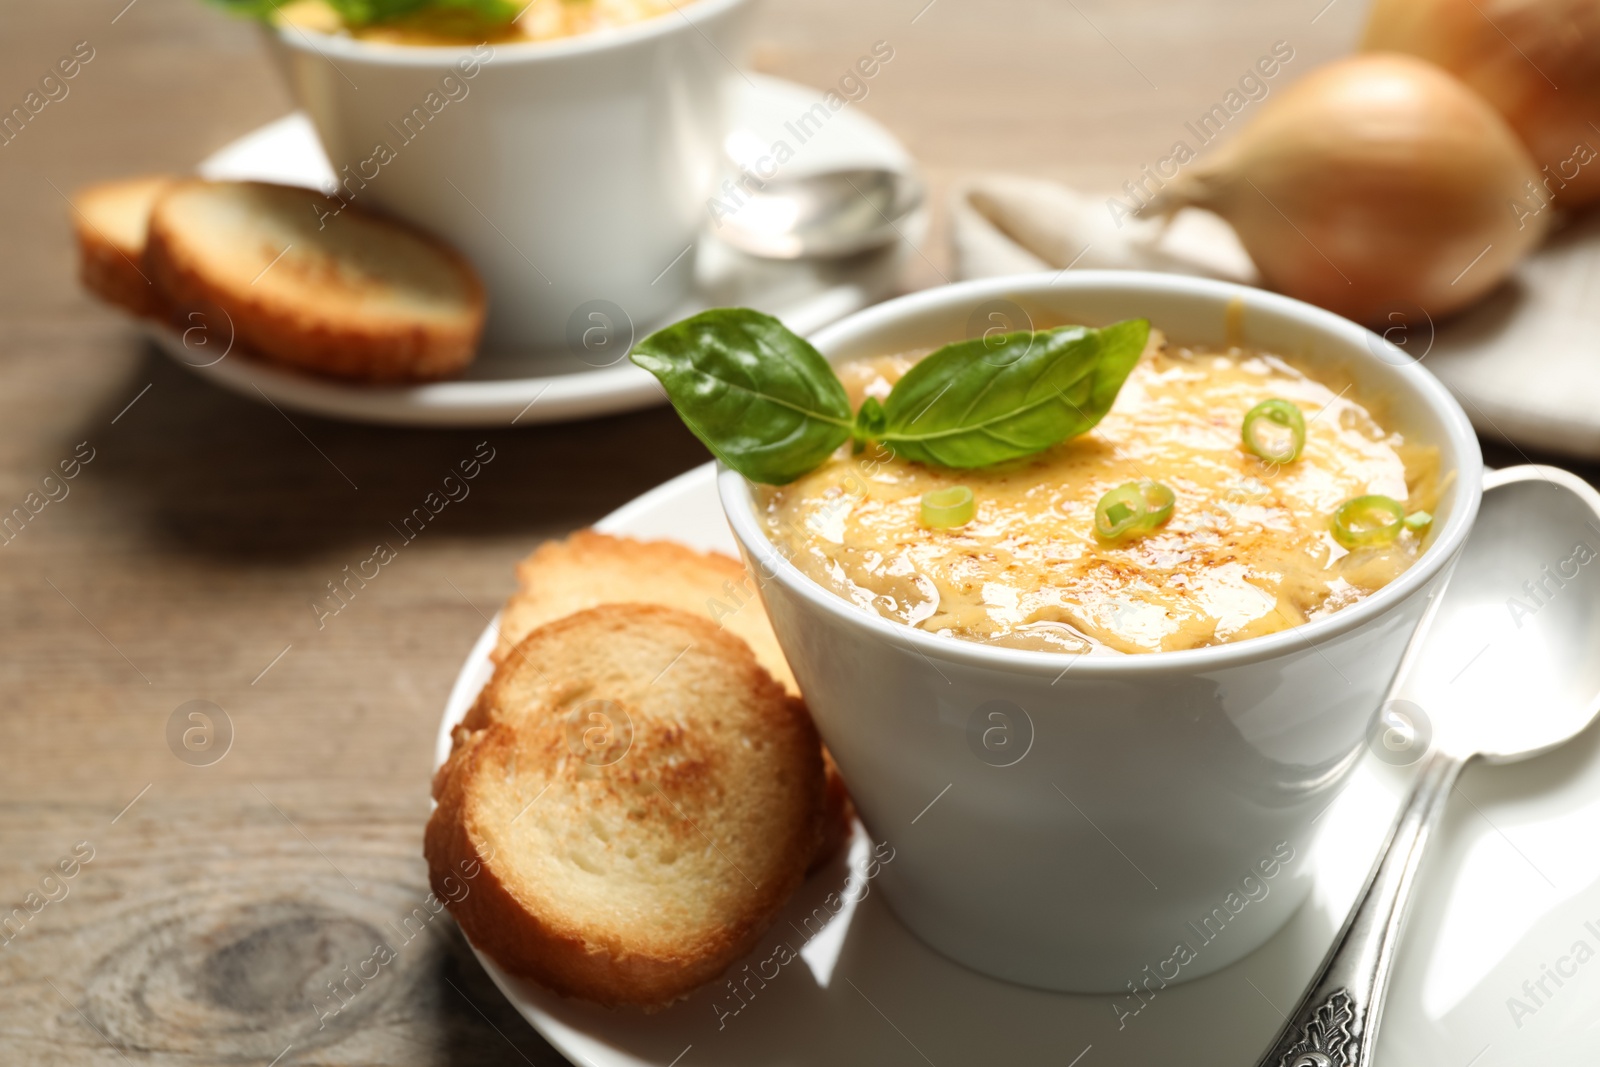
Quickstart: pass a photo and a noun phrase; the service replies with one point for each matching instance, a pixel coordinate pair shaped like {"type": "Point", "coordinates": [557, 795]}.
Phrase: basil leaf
{"type": "Point", "coordinates": [489, 13]}
{"type": "Point", "coordinates": [254, 9]}
{"type": "Point", "coordinates": [370, 12]}
{"type": "Point", "coordinates": [869, 420]}
{"type": "Point", "coordinates": [466, 16]}
{"type": "Point", "coordinates": [984, 401]}
{"type": "Point", "coordinates": [762, 399]}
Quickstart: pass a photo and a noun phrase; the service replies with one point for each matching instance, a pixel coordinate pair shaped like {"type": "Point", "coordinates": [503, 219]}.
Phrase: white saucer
{"type": "Point", "coordinates": [1526, 361]}
{"type": "Point", "coordinates": [502, 388]}
{"type": "Point", "coordinates": [864, 991]}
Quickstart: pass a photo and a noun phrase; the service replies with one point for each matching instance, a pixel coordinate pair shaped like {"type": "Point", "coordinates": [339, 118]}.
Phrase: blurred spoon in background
{"type": "Point", "coordinates": [827, 215]}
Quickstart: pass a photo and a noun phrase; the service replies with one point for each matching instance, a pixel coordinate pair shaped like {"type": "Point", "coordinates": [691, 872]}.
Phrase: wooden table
{"type": "Point", "coordinates": [209, 906]}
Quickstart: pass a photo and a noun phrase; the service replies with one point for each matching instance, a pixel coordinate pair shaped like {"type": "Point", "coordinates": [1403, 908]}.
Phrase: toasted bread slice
{"type": "Point", "coordinates": [591, 568]}
{"type": "Point", "coordinates": [350, 295]}
{"type": "Point", "coordinates": [642, 803]}
{"type": "Point", "coordinates": [110, 220]}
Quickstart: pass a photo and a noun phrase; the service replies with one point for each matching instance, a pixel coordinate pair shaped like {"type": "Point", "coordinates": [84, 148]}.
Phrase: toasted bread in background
{"type": "Point", "coordinates": [110, 220]}
{"type": "Point", "coordinates": [642, 799]}
{"type": "Point", "coordinates": [353, 295]}
{"type": "Point", "coordinates": [591, 568]}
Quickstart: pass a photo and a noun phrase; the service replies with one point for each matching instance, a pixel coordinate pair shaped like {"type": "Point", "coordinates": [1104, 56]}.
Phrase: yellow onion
{"type": "Point", "coordinates": [1537, 62]}
{"type": "Point", "coordinates": [1376, 184]}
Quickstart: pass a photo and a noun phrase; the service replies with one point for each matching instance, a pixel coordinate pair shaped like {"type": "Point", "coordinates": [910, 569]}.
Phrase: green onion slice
{"type": "Point", "coordinates": [1135, 507]}
{"type": "Point", "coordinates": [1368, 520]}
{"type": "Point", "coordinates": [1275, 431]}
{"type": "Point", "coordinates": [1418, 521]}
{"type": "Point", "coordinates": [945, 508]}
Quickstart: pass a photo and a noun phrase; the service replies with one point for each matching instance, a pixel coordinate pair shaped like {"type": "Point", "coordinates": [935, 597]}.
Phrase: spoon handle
{"type": "Point", "coordinates": [1336, 1023]}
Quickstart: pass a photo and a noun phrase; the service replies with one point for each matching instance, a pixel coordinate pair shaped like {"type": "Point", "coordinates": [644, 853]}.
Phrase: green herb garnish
{"type": "Point", "coordinates": [944, 509]}
{"type": "Point", "coordinates": [358, 13]}
{"type": "Point", "coordinates": [253, 9]}
{"type": "Point", "coordinates": [1368, 520]}
{"type": "Point", "coordinates": [771, 407]}
{"type": "Point", "coordinates": [1275, 431]}
{"type": "Point", "coordinates": [1133, 508]}
{"type": "Point", "coordinates": [762, 399]}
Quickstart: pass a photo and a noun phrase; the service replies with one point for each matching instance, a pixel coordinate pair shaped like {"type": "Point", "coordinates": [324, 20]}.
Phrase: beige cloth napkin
{"type": "Point", "coordinates": [1007, 224]}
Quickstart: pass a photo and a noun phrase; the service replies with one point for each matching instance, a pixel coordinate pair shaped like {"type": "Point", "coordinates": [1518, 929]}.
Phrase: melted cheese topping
{"type": "Point", "coordinates": [1247, 551]}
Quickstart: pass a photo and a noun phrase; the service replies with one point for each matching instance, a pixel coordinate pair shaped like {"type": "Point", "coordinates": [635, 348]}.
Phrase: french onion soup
{"type": "Point", "coordinates": [438, 24]}
{"type": "Point", "coordinates": [1226, 494]}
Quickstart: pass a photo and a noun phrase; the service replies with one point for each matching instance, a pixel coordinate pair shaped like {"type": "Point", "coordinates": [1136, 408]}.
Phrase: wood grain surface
{"type": "Point", "coordinates": [214, 904]}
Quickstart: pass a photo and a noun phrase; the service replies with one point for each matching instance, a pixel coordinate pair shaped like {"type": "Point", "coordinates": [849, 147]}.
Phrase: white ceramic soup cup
{"type": "Point", "coordinates": [573, 173]}
{"type": "Point", "coordinates": [1085, 823]}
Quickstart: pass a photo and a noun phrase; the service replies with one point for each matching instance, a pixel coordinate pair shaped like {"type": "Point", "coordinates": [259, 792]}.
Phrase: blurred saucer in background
{"type": "Point", "coordinates": [502, 388]}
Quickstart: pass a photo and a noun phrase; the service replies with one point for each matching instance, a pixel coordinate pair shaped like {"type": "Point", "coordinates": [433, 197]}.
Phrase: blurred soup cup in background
{"type": "Point", "coordinates": [573, 172]}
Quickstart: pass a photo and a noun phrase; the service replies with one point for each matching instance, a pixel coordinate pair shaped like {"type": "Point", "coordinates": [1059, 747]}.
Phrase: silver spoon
{"type": "Point", "coordinates": [1506, 669]}
{"type": "Point", "coordinates": [831, 214]}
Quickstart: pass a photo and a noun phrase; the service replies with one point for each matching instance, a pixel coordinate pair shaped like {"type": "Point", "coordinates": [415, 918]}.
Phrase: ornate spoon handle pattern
{"type": "Point", "coordinates": [1336, 1023]}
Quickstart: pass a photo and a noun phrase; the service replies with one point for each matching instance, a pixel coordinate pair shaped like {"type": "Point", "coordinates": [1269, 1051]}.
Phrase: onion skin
{"type": "Point", "coordinates": [1537, 62]}
{"type": "Point", "coordinates": [1371, 186]}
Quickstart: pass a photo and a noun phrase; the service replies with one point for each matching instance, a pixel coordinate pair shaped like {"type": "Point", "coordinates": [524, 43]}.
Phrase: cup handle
{"type": "Point", "coordinates": [1336, 1022]}
{"type": "Point", "coordinates": [1539, 472]}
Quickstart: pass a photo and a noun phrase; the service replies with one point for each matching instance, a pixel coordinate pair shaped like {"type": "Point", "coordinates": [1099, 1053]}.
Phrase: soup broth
{"type": "Point", "coordinates": [1247, 551]}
